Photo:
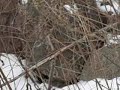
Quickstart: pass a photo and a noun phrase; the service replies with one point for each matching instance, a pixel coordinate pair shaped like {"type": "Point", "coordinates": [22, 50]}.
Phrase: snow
{"type": "Point", "coordinates": [93, 85]}
{"type": "Point", "coordinates": [113, 39]}
{"type": "Point", "coordinates": [24, 1]}
{"type": "Point", "coordinates": [12, 68]}
{"type": "Point", "coordinates": [104, 8]}
{"type": "Point", "coordinates": [71, 9]}
{"type": "Point", "coordinates": [108, 8]}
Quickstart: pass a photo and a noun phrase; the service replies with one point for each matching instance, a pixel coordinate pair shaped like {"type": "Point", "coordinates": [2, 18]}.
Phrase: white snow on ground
{"type": "Point", "coordinates": [12, 69]}
{"type": "Point", "coordinates": [92, 85]}
{"type": "Point", "coordinates": [108, 8]}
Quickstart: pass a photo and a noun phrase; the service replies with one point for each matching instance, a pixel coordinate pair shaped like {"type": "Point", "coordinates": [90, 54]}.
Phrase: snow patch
{"type": "Point", "coordinates": [108, 8]}
{"type": "Point", "coordinates": [71, 9]}
{"type": "Point", "coordinates": [24, 1]}
{"type": "Point", "coordinates": [113, 39]}
{"type": "Point", "coordinates": [12, 68]}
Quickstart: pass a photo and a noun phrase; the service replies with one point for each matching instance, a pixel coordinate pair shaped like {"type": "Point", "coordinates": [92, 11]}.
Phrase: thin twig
{"type": "Point", "coordinates": [4, 77]}
{"type": "Point", "coordinates": [52, 65]}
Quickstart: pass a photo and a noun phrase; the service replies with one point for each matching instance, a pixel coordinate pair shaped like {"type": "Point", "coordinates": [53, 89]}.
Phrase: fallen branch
{"type": "Point", "coordinates": [56, 54]}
